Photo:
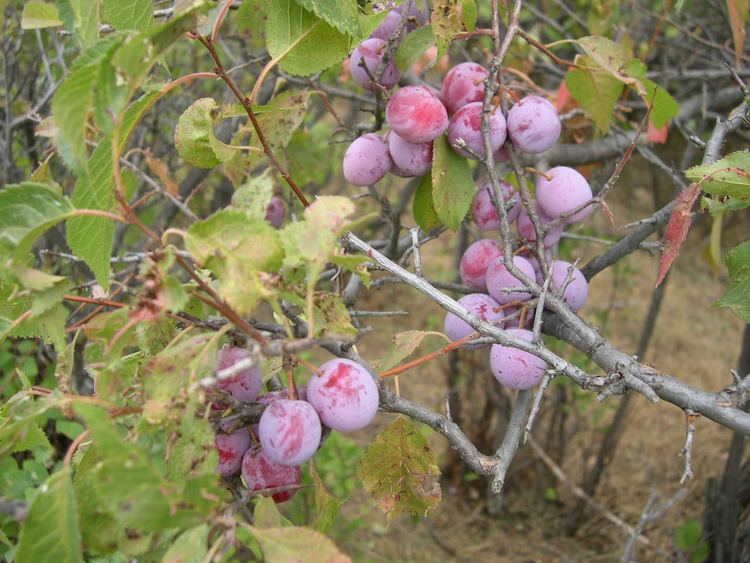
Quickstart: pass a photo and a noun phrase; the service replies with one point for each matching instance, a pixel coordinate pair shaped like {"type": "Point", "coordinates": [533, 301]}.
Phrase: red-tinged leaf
{"type": "Point", "coordinates": [677, 228]}
{"type": "Point", "coordinates": [563, 96]}
{"type": "Point", "coordinates": [738, 10]}
{"type": "Point", "coordinates": [657, 135]}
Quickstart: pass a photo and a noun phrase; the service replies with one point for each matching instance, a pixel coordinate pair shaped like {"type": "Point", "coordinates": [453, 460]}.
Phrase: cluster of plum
{"type": "Point", "coordinates": [341, 396]}
{"type": "Point", "coordinates": [417, 116]}
{"type": "Point", "coordinates": [501, 298]}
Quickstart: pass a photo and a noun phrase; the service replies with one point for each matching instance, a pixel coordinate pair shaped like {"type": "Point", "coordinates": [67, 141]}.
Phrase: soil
{"type": "Point", "coordinates": [695, 341]}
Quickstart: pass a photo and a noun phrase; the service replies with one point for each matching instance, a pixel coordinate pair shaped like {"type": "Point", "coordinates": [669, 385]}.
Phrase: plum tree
{"type": "Point", "coordinates": [367, 160]}
{"type": "Point", "coordinates": [479, 304]}
{"type": "Point", "coordinates": [243, 385]}
{"type": "Point", "coordinates": [410, 159]}
{"type": "Point", "coordinates": [263, 474]}
{"type": "Point", "coordinates": [231, 447]}
{"type": "Point", "coordinates": [561, 190]}
{"type": "Point", "coordinates": [465, 124]}
{"type": "Point", "coordinates": [526, 228]}
{"type": "Point", "coordinates": [463, 84]}
{"type": "Point", "coordinates": [276, 212]}
{"type": "Point", "coordinates": [576, 291]}
{"type": "Point", "coordinates": [289, 431]}
{"type": "Point", "coordinates": [416, 114]}
{"type": "Point", "coordinates": [533, 124]}
{"type": "Point", "coordinates": [516, 368]}
{"type": "Point", "coordinates": [476, 259]}
{"type": "Point", "coordinates": [369, 53]}
{"type": "Point", "coordinates": [499, 280]}
{"type": "Point", "coordinates": [344, 395]}
{"type": "Point", "coordinates": [483, 211]}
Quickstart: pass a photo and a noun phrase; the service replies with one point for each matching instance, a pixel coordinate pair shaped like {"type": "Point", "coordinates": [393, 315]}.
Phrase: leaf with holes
{"type": "Point", "coordinates": [729, 176]}
{"type": "Point", "coordinates": [399, 470]}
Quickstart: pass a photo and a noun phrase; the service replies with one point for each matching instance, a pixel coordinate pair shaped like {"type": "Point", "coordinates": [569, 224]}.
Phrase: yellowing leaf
{"type": "Point", "coordinates": [297, 545]}
{"type": "Point", "coordinates": [38, 15]}
{"type": "Point", "coordinates": [400, 471]}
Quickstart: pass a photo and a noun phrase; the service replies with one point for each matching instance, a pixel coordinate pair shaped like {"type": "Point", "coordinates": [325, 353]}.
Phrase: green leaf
{"type": "Point", "coordinates": [26, 211]}
{"type": "Point", "coordinates": [400, 471]}
{"type": "Point", "coordinates": [254, 196]}
{"type": "Point", "coordinates": [665, 107]}
{"type": "Point", "coordinates": [342, 14]}
{"type": "Point", "coordinates": [404, 345]}
{"type": "Point", "coordinates": [688, 536]}
{"type": "Point", "coordinates": [194, 133]}
{"type": "Point", "coordinates": [303, 43]}
{"type": "Point", "coordinates": [278, 120]}
{"type": "Point", "coordinates": [423, 207]}
{"type": "Point", "coordinates": [737, 295]}
{"type": "Point", "coordinates": [326, 506]}
{"type": "Point", "coordinates": [284, 545]}
{"type": "Point", "coordinates": [50, 532]}
{"type": "Point", "coordinates": [231, 233]}
{"type": "Point", "coordinates": [469, 14]}
{"type": "Point", "coordinates": [74, 99]}
{"type": "Point", "coordinates": [85, 21]}
{"type": "Point", "coordinates": [414, 46]}
{"type": "Point", "coordinates": [99, 527]}
{"type": "Point", "coordinates": [612, 57]}
{"type": "Point", "coordinates": [729, 176]}
{"type": "Point", "coordinates": [191, 546]}
{"type": "Point", "coordinates": [597, 92]}
{"type": "Point", "coordinates": [123, 15]}
{"type": "Point", "coordinates": [266, 514]}
{"type": "Point", "coordinates": [39, 15]}
{"type": "Point", "coordinates": [452, 184]}
{"type": "Point", "coordinates": [91, 238]}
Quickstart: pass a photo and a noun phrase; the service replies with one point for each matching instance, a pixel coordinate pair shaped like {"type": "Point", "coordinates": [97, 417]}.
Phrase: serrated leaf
{"type": "Point", "coordinates": [51, 532]}
{"type": "Point", "coordinates": [91, 238]}
{"type": "Point", "coordinates": [612, 57]}
{"type": "Point", "coordinates": [326, 506]}
{"type": "Point", "coordinates": [423, 208]}
{"type": "Point", "coordinates": [135, 15]}
{"type": "Point", "coordinates": [342, 14]}
{"type": "Point", "coordinates": [729, 176]}
{"type": "Point", "coordinates": [336, 322]}
{"type": "Point", "coordinates": [665, 107]}
{"type": "Point", "coordinates": [452, 184]}
{"type": "Point", "coordinates": [677, 228]}
{"type": "Point", "coordinates": [190, 546]}
{"type": "Point", "coordinates": [737, 294]}
{"type": "Point", "coordinates": [230, 232]}
{"type": "Point", "coordinates": [404, 345]}
{"type": "Point", "coordinates": [85, 21]}
{"type": "Point", "coordinates": [301, 42]}
{"type": "Point", "coordinates": [292, 544]}
{"type": "Point", "coordinates": [39, 15]}
{"type": "Point", "coordinates": [596, 91]}
{"type": "Point", "coordinates": [414, 46]}
{"type": "Point", "coordinates": [278, 120]}
{"type": "Point", "coordinates": [26, 211]}
{"type": "Point", "coordinates": [400, 471]}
